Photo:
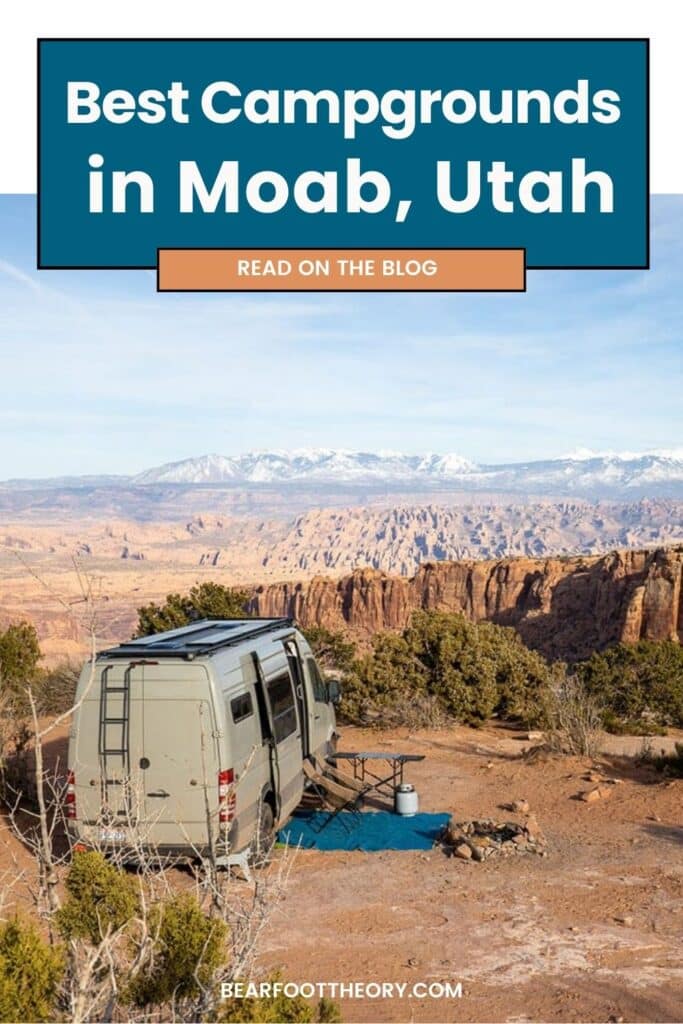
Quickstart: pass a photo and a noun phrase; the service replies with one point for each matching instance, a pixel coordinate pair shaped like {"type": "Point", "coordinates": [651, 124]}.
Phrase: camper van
{"type": "Point", "coordinates": [194, 739]}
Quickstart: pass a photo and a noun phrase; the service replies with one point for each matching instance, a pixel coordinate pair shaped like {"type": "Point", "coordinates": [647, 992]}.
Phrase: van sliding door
{"type": "Point", "coordinates": [283, 711]}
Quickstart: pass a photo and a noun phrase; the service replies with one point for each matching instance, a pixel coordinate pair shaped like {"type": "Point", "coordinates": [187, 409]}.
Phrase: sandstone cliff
{"type": "Point", "coordinates": [564, 607]}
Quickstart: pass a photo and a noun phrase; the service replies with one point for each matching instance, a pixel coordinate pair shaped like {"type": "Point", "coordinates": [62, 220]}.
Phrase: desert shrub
{"type": "Point", "coordinates": [328, 1012]}
{"type": "Point", "coordinates": [99, 897]}
{"type": "Point", "coordinates": [19, 656]}
{"type": "Point", "coordinates": [55, 689]}
{"type": "Point", "coordinates": [30, 973]}
{"type": "Point", "coordinates": [333, 651]}
{"type": "Point", "coordinates": [189, 949]}
{"type": "Point", "coordinates": [443, 664]}
{"type": "Point", "coordinates": [17, 766]}
{"type": "Point", "coordinates": [278, 1009]}
{"type": "Point", "coordinates": [204, 601]}
{"type": "Point", "coordinates": [386, 674]}
{"type": "Point", "coordinates": [639, 683]}
{"type": "Point", "coordinates": [471, 672]}
{"type": "Point", "coordinates": [669, 764]}
{"type": "Point", "coordinates": [573, 717]}
{"type": "Point", "coordinates": [630, 726]}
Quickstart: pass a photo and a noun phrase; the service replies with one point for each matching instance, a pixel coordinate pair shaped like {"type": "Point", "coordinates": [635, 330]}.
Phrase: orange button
{"type": "Point", "coordinates": [341, 270]}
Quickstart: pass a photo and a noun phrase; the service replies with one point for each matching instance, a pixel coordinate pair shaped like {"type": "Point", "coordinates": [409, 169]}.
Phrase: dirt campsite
{"type": "Point", "coordinates": [587, 927]}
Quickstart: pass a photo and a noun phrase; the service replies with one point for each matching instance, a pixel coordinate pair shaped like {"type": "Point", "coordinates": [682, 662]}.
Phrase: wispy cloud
{"type": "Point", "coordinates": [102, 374]}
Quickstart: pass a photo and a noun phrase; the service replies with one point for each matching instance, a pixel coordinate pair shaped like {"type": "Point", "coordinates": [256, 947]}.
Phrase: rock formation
{"type": "Point", "coordinates": [564, 607]}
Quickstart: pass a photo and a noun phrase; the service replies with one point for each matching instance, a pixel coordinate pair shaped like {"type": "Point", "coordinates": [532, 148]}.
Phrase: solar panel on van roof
{"type": "Point", "coordinates": [225, 631]}
{"type": "Point", "coordinates": [201, 637]}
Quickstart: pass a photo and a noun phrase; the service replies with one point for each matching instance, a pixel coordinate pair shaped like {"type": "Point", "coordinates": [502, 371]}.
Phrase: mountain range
{"type": "Point", "coordinates": [322, 465]}
{"type": "Point", "coordinates": [584, 473]}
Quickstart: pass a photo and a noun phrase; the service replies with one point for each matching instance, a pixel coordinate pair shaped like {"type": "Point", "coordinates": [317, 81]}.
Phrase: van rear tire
{"type": "Point", "coordinates": [264, 840]}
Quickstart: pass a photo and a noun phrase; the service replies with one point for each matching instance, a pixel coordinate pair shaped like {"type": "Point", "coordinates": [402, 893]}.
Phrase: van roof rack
{"type": "Point", "coordinates": [205, 636]}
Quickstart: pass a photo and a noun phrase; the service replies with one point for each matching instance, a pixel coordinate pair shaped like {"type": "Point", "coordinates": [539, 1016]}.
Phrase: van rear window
{"type": "Point", "coordinates": [241, 707]}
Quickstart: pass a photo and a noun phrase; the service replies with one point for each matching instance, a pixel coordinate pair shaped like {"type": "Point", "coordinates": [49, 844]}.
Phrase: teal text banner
{"type": "Point", "coordinates": [536, 144]}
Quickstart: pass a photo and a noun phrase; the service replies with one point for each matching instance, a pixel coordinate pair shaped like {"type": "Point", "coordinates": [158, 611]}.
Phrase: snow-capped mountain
{"type": "Point", "coordinates": [322, 465]}
{"type": "Point", "coordinates": [593, 474]}
{"type": "Point", "coordinates": [583, 473]}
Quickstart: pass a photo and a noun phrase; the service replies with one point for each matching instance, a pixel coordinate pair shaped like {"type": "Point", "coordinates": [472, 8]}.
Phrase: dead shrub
{"type": "Point", "coordinates": [573, 717]}
{"type": "Point", "coordinates": [421, 711]}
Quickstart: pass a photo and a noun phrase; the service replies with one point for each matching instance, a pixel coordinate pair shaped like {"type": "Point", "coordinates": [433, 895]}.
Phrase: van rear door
{"type": "Point", "coordinates": [179, 763]}
{"type": "Point", "coordinates": [146, 754]}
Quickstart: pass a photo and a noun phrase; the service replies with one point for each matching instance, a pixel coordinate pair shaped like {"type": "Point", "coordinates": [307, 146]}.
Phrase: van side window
{"type": "Point", "coordinates": [241, 707]}
{"type": "Point", "coordinates": [319, 687]}
{"type": "Point", "coordinates": [281, 698]}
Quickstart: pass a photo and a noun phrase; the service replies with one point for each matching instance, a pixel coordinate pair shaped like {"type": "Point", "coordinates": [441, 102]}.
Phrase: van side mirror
{"type": "Point", "coordinates": [333, 691]}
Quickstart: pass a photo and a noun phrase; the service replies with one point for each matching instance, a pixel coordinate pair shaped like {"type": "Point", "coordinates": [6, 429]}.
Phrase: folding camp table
{"type": "Point", "coordinates": [364, 761]}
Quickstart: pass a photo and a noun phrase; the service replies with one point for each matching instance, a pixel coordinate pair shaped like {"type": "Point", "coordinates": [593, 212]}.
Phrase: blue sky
{"type": "Point", "coordinates": [99, 373]}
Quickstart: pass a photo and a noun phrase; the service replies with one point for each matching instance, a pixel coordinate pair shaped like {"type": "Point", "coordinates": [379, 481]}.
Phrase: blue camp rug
{"type": "Point", "coordinates": [370, 831]}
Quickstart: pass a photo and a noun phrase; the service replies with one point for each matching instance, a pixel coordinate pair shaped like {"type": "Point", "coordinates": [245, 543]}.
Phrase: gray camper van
{"type": "Point", "coordinates": [196, 735]}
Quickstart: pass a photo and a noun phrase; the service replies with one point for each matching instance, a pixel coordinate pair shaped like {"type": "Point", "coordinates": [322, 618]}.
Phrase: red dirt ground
{"type": "Point", "coordinates": [531, 938]}
{"type": "Point", "coordinates": [592, 932]}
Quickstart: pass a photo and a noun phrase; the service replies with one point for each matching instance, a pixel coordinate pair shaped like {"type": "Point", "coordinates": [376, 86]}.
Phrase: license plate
{"type": "Point", "coordinates": [112, 835]}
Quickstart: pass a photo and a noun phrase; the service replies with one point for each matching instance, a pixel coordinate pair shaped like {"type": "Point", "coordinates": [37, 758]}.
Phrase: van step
{"type": "Point", "coordinates": [115, 689]}
{"type": "Point", "coordinates": [114, 721]}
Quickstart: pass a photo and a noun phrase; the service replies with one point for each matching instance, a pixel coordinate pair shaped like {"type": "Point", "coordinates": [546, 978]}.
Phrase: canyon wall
{"type": "Point", "coordinates": [564, 607]}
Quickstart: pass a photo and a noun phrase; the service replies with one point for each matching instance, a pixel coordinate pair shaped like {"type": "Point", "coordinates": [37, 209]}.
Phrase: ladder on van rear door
{"type": "Point", "coordinates": [114, 750]}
